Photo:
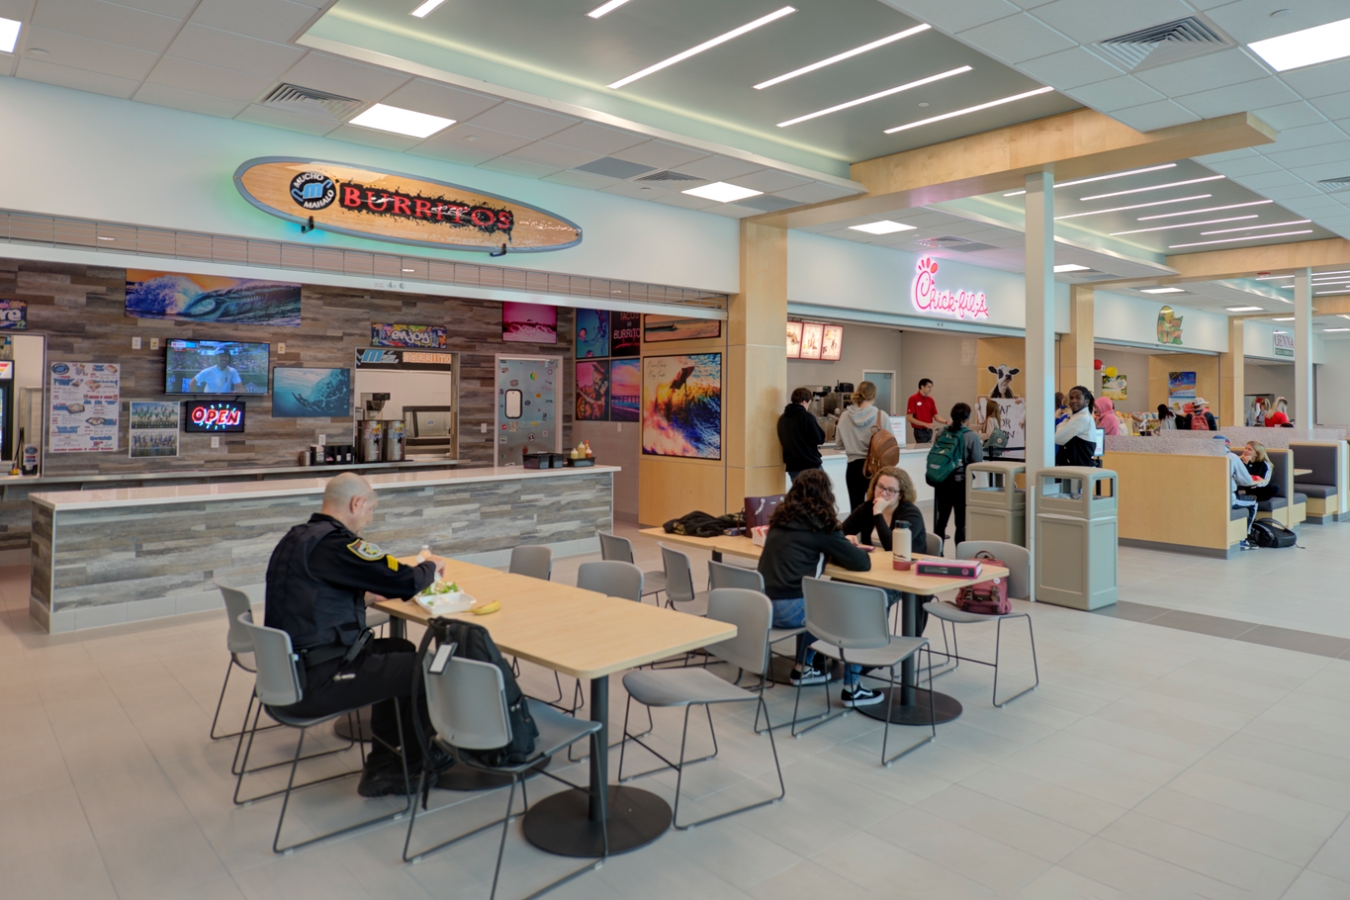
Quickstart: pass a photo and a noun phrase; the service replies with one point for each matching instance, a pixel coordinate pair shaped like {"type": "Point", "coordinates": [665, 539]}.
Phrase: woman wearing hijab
{"type": "Point", "coordinates": [1106, 417]}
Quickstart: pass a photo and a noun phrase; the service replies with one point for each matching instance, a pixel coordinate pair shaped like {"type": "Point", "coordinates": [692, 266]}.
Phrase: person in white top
{"type": "Point", "coordinates": [222, 378]}
{"type": "Point", "coordinates": [1074, 444]}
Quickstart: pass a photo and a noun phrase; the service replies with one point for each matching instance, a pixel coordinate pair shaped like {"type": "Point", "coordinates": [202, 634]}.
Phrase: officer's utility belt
{"type": "Point", "coordinates": [317, 656]}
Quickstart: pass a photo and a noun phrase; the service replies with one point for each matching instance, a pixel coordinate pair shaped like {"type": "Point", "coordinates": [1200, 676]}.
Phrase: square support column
{"type": "Point", "coordinates": [1040, 282]}
{"type": "Point", "coordinates": [1303, 362]}
{"type": "Point", "coordinates": [1232, 377]}
{"type": "Point", "coordinates": [1077, 348]}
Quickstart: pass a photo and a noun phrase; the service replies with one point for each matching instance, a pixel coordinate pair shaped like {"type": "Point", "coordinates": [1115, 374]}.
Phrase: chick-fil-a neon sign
{"type": "Point", "coordinates": [959, 304]}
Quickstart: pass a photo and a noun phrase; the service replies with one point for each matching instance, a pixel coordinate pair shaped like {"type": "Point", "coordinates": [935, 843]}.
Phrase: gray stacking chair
{"type": "Point", "coordinates": [613, 547]}
{"type": "Point", "coordinates": [278, 686]}
{"type": "Point", "coordinates": [239, 644]}
{"type": "Point", "coordinates": [849, 622]}
{"type": "Point", "coordinates": [680, 584]}
{"type": "Point", "coordinates": [532, 560]}
{"type": "Point", "coordinates": [466, 701]}
{"type": "Point", "coordinates": [721, 575]}
{"type": "Point", "coordinates": [1019, 585]}
{"type": "Point", "coordinates": [612, 578]}
{"type": "Point", "coordinates": [751, 613]}
{"type": "Point", "coordinates": [934, 543]}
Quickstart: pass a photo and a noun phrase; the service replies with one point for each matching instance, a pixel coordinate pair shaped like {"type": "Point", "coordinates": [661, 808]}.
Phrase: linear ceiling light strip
{"type": "Point", "coordinates": [848, 54]}
{"type": "Point", "coordinates": [607, 8]}
{"type": "Point", "coordinates": [1182, 225]}
{"type": "Point", "coordinates": [1196, 212]}
{"type": "Point", "coordinates": [970, 109]}
{"type": "Point", "coordinates": [1097, 212]}
{"type": "Point", "coordinates": [877, 96]}
{"type": "Point", "coordinates": [706, 45]}
{"type": "Point", "coordinates": [1154, 187]}
{"type": "Point", "coordinates": [1255, 227]}
{"type": "Point", "coordinates": [1102, 177]}
{"type": "Point", "coordinates": [1250, 237]}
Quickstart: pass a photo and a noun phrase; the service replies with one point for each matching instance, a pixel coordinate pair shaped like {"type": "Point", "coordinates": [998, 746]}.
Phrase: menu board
{"type": "Point", "coordinates": [85, 400]}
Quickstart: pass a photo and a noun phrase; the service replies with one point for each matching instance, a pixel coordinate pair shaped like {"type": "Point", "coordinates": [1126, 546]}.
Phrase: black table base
{"type": "Point", "coordinates": [946, 708]}
{"type": "Point", "coordinates": [561, 824]}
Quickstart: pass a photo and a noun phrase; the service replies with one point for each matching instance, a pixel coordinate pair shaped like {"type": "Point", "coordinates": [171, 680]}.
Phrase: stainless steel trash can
{"type": "Point", "coordinates": [996, 504]}
{"type": "Point", "coordinates": [1076, 532]}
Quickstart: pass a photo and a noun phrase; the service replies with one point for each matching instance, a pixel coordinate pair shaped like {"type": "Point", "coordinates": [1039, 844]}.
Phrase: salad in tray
{"type": "Point", "coordinates": [444, 597]}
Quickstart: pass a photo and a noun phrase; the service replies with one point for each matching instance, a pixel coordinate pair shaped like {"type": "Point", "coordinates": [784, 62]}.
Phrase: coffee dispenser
{"type": "Point", "coordinates": [371, 430]}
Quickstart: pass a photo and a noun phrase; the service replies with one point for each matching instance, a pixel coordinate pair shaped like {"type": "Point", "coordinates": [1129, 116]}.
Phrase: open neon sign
{"type": "Point", "coordinates": [215, 416]}
{"type": "Point", "coordinates": [960, 304]}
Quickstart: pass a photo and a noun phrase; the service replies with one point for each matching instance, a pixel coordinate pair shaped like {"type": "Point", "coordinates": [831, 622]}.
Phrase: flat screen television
{"type": "Point", "coordinates": [213, 416]}
{"type": "Point", "coordinates": [216, 367]}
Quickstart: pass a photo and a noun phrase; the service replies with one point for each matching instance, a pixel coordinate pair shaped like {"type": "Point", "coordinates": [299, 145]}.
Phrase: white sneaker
{"type": "Point", "coordinates": [859, 696]}
{"type": "Point", "coordinates": [808, 675]}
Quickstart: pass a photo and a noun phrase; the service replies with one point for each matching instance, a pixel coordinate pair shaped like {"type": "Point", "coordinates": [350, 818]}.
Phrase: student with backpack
{"type": "Point", "coordinates": [992, 438]}
{"type": "Point", "coordinates": [1074, 444]}
{"type": "Point", "coordinates": [857, 426]}
{"type": "Point", "coordinates": [1201, 419]}
{"type": "Point", "coordinates": [956, 446]}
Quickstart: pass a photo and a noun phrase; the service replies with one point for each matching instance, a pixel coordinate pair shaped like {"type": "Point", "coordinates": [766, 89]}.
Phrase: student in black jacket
{"type": "Point", "coordinates": [803, 535]}
{"type": "Point", "coordinates": [889, 504]}
{"type": "Point", "coordinates": [800, 434]}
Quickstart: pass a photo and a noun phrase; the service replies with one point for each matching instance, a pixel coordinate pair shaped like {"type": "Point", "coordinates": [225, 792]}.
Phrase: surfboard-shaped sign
{"type": "Point", "coordinates": [403, 209]}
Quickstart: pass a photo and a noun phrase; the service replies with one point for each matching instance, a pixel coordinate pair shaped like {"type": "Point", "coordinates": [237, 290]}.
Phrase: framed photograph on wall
{"type": "Point", "coordinates": [592, 333]}
{"type": "Point", "coordinates": [678, 328]}
{"type": "Point", "coordinates": [832, 342]}
{"type": "Point", "coordinates": [625, 334]}
{"type": "Point", "coordinates": [625, 390]}
{"type": "Point", "coordinates": [592, 390]}
{"type": "Point", "coordinates": [813, 335]}
{"type": "Point", "coordinates": [794, 340]}
{"type": "Point", "coordinates": [299, 393]}
{"type": "Point", "coordinates": [529, 323]}
{"type": "Point", "coordinates": [682, 406]}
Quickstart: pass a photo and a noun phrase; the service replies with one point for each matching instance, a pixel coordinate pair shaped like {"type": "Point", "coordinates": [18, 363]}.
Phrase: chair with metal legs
{"type": "Point", "coordinates": [721, 575]}
{"type": "Point", "coordinates": [935, 543]}
{"type": "Point", "coordinates": [1019, 585]}
{"type": "Point", "coordinates": [239, 644]}
{"type": "Point", "coordinates": [613, 547]}
{"type": "Point", "coordinates": [466, 701]}
{"type": "Point", "coordinates": [536, 561]}
{"type": "Point", "coordinates": [612, 578]}
{"type": "Point", "coordinates": [680, 584]}
{"type": "Point", "coordinates": [751, 613]}
{"type": "Point", "coordinates": [849, 622]}
{"type": "Point", "coordinates": [278, 685]}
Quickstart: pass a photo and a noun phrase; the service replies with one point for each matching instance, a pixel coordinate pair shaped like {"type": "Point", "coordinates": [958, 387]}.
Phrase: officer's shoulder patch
{"type": "Point", "coordinates": [366, 550]}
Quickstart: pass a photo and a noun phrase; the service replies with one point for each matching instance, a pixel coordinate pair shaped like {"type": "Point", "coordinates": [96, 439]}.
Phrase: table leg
{"type": "Point", "coordinates": [911, 707]}
{"type": "Point", "coordinates": [717, 555]}
{"type": "Point", "coordinates": [568, 823]}
{"type": "Point", "coordinates": [397, 627]}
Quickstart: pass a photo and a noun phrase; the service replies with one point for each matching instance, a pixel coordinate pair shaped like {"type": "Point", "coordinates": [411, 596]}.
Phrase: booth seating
{"type": "Point", "coordinates": [1286, 507]}
{"type": "Point", "coordinates": [1325, 486]}
{"type": "Point", "coordinates": [1176, 502]}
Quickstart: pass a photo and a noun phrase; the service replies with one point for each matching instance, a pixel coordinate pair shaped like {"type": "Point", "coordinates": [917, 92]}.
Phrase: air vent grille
{"type": "Point", "coordinates": [959, 244]}
{"type": "Point", "coordinates": [1331, 185]}
{"type": "Point", "coordinates": [669, 176]}
{"type": "Point", "coordinates": [312, 102]}
{"type": "Point", "coordinates": [1163, 44]}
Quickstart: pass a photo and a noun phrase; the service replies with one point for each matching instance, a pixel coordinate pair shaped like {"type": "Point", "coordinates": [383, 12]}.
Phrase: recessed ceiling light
{"type": "Point", "coordinates": [401, 121]}
{"type": "Point", "coordinates": [1255, 227]}
{"type": "Point", "coordinates": [722, 192]}
{"type": "Point", "coordinates": [1210, 209]}
{"type": "Point", "coordinates": [607, 8]}
{"type": "Point", "coordinates": [706, 45]}
{"type": "Point", "coordinates": [1305, 48]}
{"type": "Point", "coordinates": [9, 34]}
{"type": "Point", "coordinates": [1183, 225]}
{"type": "Point", "coordinates": [1250, 237]}
{"type": "Point", "coordinates": [1097, 212]}
{"type": "Point", "coordinates": [422, 11]}
{"type": "Point", "coordinates": [1325, 293]}
{"type": "Point", "coordinates": [885, 226]}
{"type": "Point", "coordinates": [1155, 187]}
{"type": "Point", "coordinates": [1245, 308]}
{"type": "Point", "coordinates": [1283, 319]}
{"type": "Point", "coordinates": [1070, 267]}
{"type": "Point", "coordinates": [1103, 177]}
{"type": "Point", "coordinates": [1329, 330]}
{"type": "Point", "coordinates": [848, 54]}
{"type": "Point", "coordinates": [970, 109]}
{"type": "Point", "coordinates": [877, 96]}
{"type": "Point", "coordinates": [1161, 290]}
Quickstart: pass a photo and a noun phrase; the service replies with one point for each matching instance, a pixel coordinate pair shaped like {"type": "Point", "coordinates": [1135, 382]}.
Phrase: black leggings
{"type": "Point", "coordinates": [857, 483]}
{"type": "Point", "coordinates": [950, 497]}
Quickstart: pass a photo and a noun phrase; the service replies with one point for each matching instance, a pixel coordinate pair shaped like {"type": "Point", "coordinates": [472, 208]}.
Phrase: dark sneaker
{"type": "Point", "coordinates": [859, 696]}
{"type": "Point", "coordinates": [808, 675]}
{"type": "Point", "coordinates": [385, 782]}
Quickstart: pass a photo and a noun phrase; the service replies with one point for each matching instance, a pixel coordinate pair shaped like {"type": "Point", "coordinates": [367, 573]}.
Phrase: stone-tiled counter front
{"type": "Point", "coordinates": [103, 557]}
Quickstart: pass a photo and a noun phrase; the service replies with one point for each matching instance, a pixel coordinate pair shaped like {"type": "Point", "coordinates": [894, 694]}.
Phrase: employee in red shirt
{"type": "Point", "coordinates": [922, 412]}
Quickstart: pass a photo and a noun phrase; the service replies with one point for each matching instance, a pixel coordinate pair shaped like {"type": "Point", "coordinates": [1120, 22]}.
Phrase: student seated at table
{"type": "Point", "coordinates": [889, 504]}
{"type": "Point", "coordinates": [1257, 461]}
{"type": "Point", "coordinates": [1240, 479]}
{"type": "Point", "coordinates": [804, 534]}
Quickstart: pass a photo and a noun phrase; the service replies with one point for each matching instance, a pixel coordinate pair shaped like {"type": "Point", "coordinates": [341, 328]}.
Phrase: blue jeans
{"type": "Point", "coordinates": [792, 614]}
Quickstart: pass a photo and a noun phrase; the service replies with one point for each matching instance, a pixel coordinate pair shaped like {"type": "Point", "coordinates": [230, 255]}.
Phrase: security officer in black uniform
{"type": "Point", "coordinates": [319, 580]}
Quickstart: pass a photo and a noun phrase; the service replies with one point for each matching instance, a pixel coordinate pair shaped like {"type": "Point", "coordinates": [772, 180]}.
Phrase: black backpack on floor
{"type": "Point", "coordinates": [473, 642]}
{"type": "Point", "coordinates": [1269, 533]}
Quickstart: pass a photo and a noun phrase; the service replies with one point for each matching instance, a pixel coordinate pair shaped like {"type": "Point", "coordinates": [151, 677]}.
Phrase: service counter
{"type": "Point", "coordinates": [913, 459]}
{"type": "Point", "coordinates": [104, 556]}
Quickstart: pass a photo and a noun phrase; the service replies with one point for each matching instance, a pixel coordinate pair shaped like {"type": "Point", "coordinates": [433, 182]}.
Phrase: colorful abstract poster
{"type": "Point", "coordinates": [419, 337]}
{"type": "Point", "coordinates": [813, 335]}
{"type": "Point", "coordinates": [14, 315]}
{"type": "Point", "coordinates": [794, 340]}
{"type": "Point", "coordinates": [832, 342]}
{"type": "Point", "coordinates": [1114, 387]}
{"type": "Point", "coordinates": [592, 333]}
{"type": "Point", "coordinates": [678, 328]}
{"type": "Point", "coordinates": [625, 390]}
{"type": "Point", "coordinates": [682, 406]}
{"type": "Point", "coordinates": [211, 298]}
{"type": "Point", "coordinates": [152, 428]}
{"type": "Point", "coordinates": [625, 334]}
{"type": "Point", "coordinates": [593, 390]}
{"type": "Point", "coordinates": [85, 406]}
{"type": "Point", "coordinates": [529, 323]}
{"type": "Point", "coordinates": [1169, 326]}
{"type": "Point", "coordinates": [1180, 391]}
{"type": "Point", "coordinates": [299, 393]}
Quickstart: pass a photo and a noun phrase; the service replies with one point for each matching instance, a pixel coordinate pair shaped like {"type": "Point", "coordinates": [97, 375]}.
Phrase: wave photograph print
{"type": "Point", "coordinates": [625, 390]}
{"type": "Point", "coordinates": [311, 393]}
{"type": "Point", "coordinates": [682, 406]}
{"type": "Point", "coordinates": [211, 298]}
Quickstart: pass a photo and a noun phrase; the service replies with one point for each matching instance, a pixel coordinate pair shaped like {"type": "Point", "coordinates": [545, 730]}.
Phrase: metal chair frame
{"type": "Point", "coordinates": [613, 547]}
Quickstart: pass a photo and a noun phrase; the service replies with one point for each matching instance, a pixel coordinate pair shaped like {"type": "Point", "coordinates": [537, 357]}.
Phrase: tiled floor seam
{"type": "Point", "coordinates": [1246, 636]}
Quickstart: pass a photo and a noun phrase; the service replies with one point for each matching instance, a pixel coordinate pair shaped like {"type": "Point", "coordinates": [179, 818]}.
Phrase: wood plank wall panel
{"type": "Point", "coordinates": [81, 310]}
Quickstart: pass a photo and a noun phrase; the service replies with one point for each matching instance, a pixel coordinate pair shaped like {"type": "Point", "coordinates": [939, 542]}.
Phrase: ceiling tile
{"type": "Point", "coordinates": [451, 153]}
{"type": "Point", "coordinates": [163, 95]}
{"type": "Point", "coordinates": [373, 138]}
{"type": "Point", "coordinates": [683, 201]}
{"type": "Point", "coordinates": [1333, 106]}
{"type": "Point", "coordinates": [79, 79]}
{"type": "Point", "coordinates": [1227, 67]}
{"type": "Point", "coordinates": [769, 203]}
{"type": "Point", "coordinates": [815, 193]}
{"type": "Point", "coordinates": [442, 100]}
{"type": "Point", "coordinates": [953, 17]}
{"type": "Point", "coordinates": [476, 139]}
{"type": "Point", "coordinates": [718, 168]}
{"type": "Point", "coordinates": [1088, 21]}
{"type": "Point", "coordinates": [281, 118]}
{"type": "Point", "coordinates": [1070, 68]}
{"type": "Point", "coordinates": [1290, 115]}
{"type": "Point", "coordinates": [599, 140]}
{"type": "Point", "coordinates": [233, 51]}
{"type": "Point", "coordinates": [1338, 168]}
{"type": "Point", "coordinates": [660, 155]}
{"type": "Point", "coordinates": [271, 20]}
{"type": "Point", "coordinates": [636, 191]}
{"type": "Point", "coordinates": [518, 167]}
{"type": "Point", "coordinates": [1150, 116]}
{"type": "Point", "coordinates": [1248, 165]}
{"type": "Point", "coordinates": [523, 121]}
{"type": "Point", "coordinates": [1268, 180]}
{"type": "Point", "coordinates": [1308, 136]}
{"type": "Point", "coordinates": [580, 180]}
{"type": "Point", "coordinates": [65, 49]}
{"type": "Point", "coordinates": [1319, 81]}
{"type": "Point", "coordinates": [344, 77]}
{"type": "Point", "coordinates": [548, 154]}
{"type": "Point", "coordinates": [1237, 98]}
{"type": "Point", "coordinates": [1115, 93]}
{"type": "Point", "coordinates": [178, 9]}
{"type": "Point", "coordinates": [613, 167]}
{"type": "Point", "coordinates": [1016, 38]}
{"type": "Point", "coordinates": [1250, 20]}
{"type": "Point", "coordinates": [732, 211]}
{"type": "Point", "coordinates": [770, 180]}
{"type": "Point", "coordinates": [107, 22]}
{"type": "Point", "coordinates": [211, 80]}
{"type": "Point", "coordinates": [1337, 151]}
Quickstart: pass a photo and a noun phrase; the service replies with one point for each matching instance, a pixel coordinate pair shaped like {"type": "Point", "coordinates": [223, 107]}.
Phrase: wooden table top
{"type": "Point", "coordinates": [882, 574]}
{"type": "Point", "coordinates": [1303, 471]}
{"type": "Point", "coordinates": [574, 631]}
